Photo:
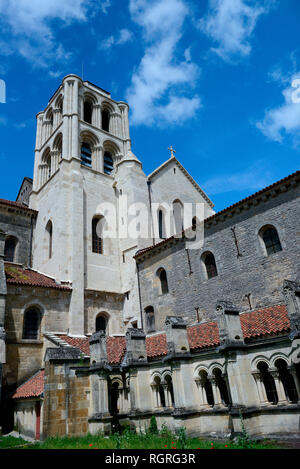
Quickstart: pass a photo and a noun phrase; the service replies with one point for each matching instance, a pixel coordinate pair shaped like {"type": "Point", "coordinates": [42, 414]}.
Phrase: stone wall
{"type": "Point", "coordinates": [66, 395]}
{"type": "Point", "coordinates": [24, 357]}
{"type": "Point", "coordinates": [17, 223]}
{"type": "Point", "coordinates": [250, 273]}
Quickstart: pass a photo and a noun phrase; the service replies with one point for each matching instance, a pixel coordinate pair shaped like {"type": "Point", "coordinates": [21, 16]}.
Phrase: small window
{"type": "Point", "coordinates": [210, 265]}
{"type": "Point", "coordinates": [105, 121]}
{"type": "Point", "coordinates": [150, 319]}
{"type": "Point", "coordinates": [97, 244]}
{"type": "Point", "coordinates": [108, 163]}
{"type": "Point", "coordinates": [31, 324]}
{"type": "Point", "coordinates": [271, 240]}
{"type": "Point", "coordinates": [10, 249]}
{"type": "Point", "coordinates": [49, 229]}
{"type": "Point", "coordinates": [101, 323]}
{"type": "Point", "coordinates": [86, 155]}
{"type": "Point", "coordinates": [163, 281]}
{"type": "Point", "coordinates": [87, 112]}
{"type": "Point", "coordinates": [161, 225]}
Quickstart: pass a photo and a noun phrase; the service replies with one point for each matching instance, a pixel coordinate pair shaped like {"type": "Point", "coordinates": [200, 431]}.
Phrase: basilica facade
{"type": "Point", "coordinates": [124, 296]}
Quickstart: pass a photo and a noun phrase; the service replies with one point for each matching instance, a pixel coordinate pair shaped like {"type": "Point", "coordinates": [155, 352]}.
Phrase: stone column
{"type": "Point", "coordinates": [216, 391]}
{"type": "Point", "coordinates": [279, 387]}
{"type": "Point", "coordinates": [201, 387]}
{"type": "Point", "coordinates": [54, 160]}
{"type": "Point", "coordinates": [154, 396]}
{"type": "Point", "coordinates": [3, 293]}
{"type": "Point", "coordinates": [97, 116]}
{"type": "Point", "coordinates": [97, 159]}
{"type": "Point", "coordinates": [179, 397]}
{"type": "Point", "coordinates": [260, 388]}
{"type": "Point", "coordinates": [166, 394]}
{"type": "Point", "coordinates": [293, 372]}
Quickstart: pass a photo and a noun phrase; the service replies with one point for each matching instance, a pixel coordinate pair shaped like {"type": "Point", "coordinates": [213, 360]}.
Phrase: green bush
{"type": "Point", "coordinates": [153, 426]}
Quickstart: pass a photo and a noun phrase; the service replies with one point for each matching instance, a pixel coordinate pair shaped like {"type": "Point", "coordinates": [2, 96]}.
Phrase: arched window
{"type": "Point", "coordinates": [31, 324]}
{"type": "Point", "coordinates": [49, 230]}
{"type": "Point", "coordinates": [150, 319]}
{"type": "Point", "coordinates": [222, 385]}
{"type": "Point", "coordinates": [101, 323]}
{"type": "Point", "coordinates": [86, 154]}
{"type": "Point", "coordinates": [271, 240]}
{"type": "Point", "coordinates": [108, 163]}
{"type": "Point", "coordinates": [210, 265]}
{"type": "Point", "coordinates": [161, 273]}
{"type": "Point", "coordinates": [10, 249]}
{"type": "Point", "coordinates": [87, 112]}
{"type": "Point", "coordinates": [105, 120]}
{"type": "Point", "coordinates": [268, 382]}
{"type": "Point", "coordinates": [161, 225]}
{"type": "Point", "coordinates": [178, 216]}
{"type": "Point", "coordinates": [287, 380]}
{"type": "Point", "coordinates": [97, 242]}
{"type": "Point", "coordinates": [170, 391]}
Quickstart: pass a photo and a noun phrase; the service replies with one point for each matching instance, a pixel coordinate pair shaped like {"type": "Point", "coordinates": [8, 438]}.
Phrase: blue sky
{"type": "Point", "coordinates": [213, 78]}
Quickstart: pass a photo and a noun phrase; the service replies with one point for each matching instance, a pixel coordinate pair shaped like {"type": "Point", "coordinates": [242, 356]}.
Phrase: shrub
{"type": "Point", "coordinates": [153, 426]}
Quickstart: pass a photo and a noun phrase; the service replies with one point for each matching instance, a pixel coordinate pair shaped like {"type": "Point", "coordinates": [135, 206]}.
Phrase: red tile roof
{"type": "Point", "coordinates": [156, 346]}
{"type": "Point", "coordinates": [116, 348]}
{"type": "Point", "coordinates": [79, 342]}
{"type": "Point", "coordinates": [18, 275]}
{"type": "Point", "coordinates": [265, 321]}
{"type": "Point", "coordinates": [33, 387]}
{"type": "Point", "coordinates": [203, 335]}
{"type": "Point", "coordinates": [18, 205]}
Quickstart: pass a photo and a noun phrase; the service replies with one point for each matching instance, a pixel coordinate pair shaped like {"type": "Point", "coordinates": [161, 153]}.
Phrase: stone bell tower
{"type": "Point", "coordinates": [82, 137]}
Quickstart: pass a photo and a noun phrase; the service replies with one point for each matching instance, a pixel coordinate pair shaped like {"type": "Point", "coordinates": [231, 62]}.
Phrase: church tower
{"type": "Point", "coordinates": [83, 159]}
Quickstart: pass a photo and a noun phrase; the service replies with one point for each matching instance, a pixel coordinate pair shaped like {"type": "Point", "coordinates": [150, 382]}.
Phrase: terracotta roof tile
{"type": "Point", "coordinates": [116, 348]}
{"type": "Point", "coordinates": [265, 321]}
{"type": "Point", "coordinates": [203, 335]}
{"type": "Point", "coordinates": [33, 387]}
{"type": "Point", "coordinates": [79, 342]}
{"type": "Point", "coordinates": [156, 346]}
{"type": "Point", "coordinates": [18, 275]}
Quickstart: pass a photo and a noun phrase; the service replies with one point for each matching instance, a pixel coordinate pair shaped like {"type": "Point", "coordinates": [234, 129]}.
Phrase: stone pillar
{"type": "Point", "coordinates": [98, 351]}
{"type": "Point", "coordinates": [260, 388]}
{"type": "Point", "coordinates": [293, 372]}
{"type": "Point", "coordinates": [279, 387]}
{"type": "Point", "coordinates": [216, 391]}
{"type": "Point", "coordinates": [201, 387]}
{"type": "Point", "coordinates": [179, 397]}
{"type": "Point", "coordinates": [134, 397]}
{"type": "Point", "coordinates": [136, 346]}
{"type": "Point", "coordinates": [97, 116]}
{"type": "Point", "coordinates": [230, 329]}
{"type": "Point", "coordinates": [97, 160]}
{"type": "Point", "coordinates": [39, 130]}
{"type": "Point", "coordinates": [177, 339]}
{"type": "Point", "coordinates": [291, 292]}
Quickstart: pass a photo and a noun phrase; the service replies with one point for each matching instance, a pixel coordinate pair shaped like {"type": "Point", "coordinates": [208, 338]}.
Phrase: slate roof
{"type": "Point", "coordinates": [33, 387]}
{"type": "Point", "coordinates": [19, 275]}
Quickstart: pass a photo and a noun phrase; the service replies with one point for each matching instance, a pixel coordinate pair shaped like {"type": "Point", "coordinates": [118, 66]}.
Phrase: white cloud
{"type": "Point", "coordinates": [254, 179]}
{"type": "Point", "coordinates": [230, 23]}
{"type": "Point", "coordinates": [285, 119]}
{"type": "Point", "coordinates": [105, 5]}
{"type": "Point", "coordinates": [124, 36]}
{"type": "Point", "coordinates": [28, 25]}
{"type": "Point", "coordinates": [158, 91]}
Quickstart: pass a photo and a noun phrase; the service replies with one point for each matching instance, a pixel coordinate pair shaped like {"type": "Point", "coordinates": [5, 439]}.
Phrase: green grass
{"type": "Point", "coordinates": [130, 441]}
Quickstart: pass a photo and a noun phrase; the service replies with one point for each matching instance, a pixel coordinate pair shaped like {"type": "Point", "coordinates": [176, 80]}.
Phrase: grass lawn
{"type": "Point", "coordinates": [132, 441]}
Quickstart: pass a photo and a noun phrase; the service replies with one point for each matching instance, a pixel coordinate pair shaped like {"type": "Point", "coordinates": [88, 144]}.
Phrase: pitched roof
{"type": "Point", "coordinates": [116, 348]}
{"type": "Point", "coordinates": [156, 346]}
{"type": "Point", "coordinates": [186, 173]}
{"type": "Point", "coordinates": [19, 275]}
{"type": "Point", "coordinates": [203, 335]}
{"type": "Point", "coordinates": [226, 210]}
{"type": "Point", "coordinates": [266, 321]}
{"type": "Point", "coordinates": [33, 387]}
{"type": "Point", "coordinates": [18, 205]}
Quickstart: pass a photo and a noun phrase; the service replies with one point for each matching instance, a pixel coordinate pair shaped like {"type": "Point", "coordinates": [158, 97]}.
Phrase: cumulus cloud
{"type": "Point", "coordinates": [28, 25]}
{"type": "Point", "coordinates": [160, 89]}
{"type": "Point", "coordinates": [254, 179]}
{"type": "Point", "coordinates": [230, 23]}
{"type": "Point", "coordinates": [284, 119]}
{"type": "Point", "coordinates": [123, 37]}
